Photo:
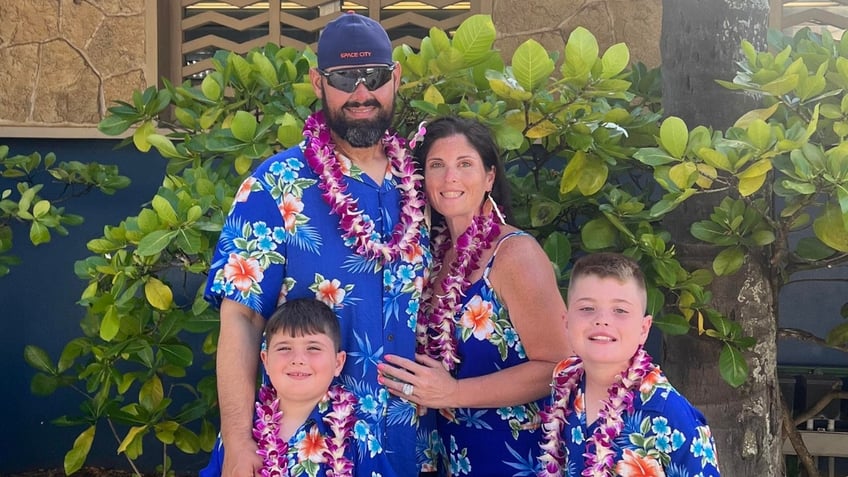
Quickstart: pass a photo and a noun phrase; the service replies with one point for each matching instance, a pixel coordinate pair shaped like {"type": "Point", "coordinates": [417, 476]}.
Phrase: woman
{"type": "Point", "coordinates": [491, 329]}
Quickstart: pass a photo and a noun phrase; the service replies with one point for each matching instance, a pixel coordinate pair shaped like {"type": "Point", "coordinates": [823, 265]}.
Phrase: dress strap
{"type": "Point", "coordinates": [491, 262]}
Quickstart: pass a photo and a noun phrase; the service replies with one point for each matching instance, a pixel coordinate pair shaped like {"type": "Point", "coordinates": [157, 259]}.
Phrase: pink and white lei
{"type": "Point", "coordinates": [320, 154]}
{"type": "Point", "coordinates": [274, 450]}
{"type": "Point", "coordinates": [436, 325]}
{"type": "Point", "coordinates": [599, 454]}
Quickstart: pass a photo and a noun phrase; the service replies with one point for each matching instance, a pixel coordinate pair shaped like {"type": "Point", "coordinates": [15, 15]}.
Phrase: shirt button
{"type": "Point", "coordinates": [390, 337]}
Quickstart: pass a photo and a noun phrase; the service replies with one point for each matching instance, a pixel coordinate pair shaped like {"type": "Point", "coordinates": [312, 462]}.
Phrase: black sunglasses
{"type": "Point", "coordinates": [348, 79]}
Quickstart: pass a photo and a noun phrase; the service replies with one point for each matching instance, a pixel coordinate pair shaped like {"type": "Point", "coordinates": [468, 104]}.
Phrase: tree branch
{"type": "Point", "coordinates": [836, 392]}
{"type": "Point", "coordinates": [807, 337]}
{"type": "Point", "coordinates": [790, 431]}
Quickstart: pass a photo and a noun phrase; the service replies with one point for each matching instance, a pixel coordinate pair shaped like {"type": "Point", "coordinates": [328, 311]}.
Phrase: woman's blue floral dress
{"type": "Point", "coordinates": [489, 441]}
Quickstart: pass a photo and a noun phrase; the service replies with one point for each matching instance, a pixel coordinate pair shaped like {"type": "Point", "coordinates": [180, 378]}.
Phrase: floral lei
{"type": "Point", "coordinates": [321, 156]}
{"type": "Point", "coordinates": [436, 330]}
{"type": "Point", "coordinates": [599, 454]}
{"type": "Point", "coordinates": [274, 450]}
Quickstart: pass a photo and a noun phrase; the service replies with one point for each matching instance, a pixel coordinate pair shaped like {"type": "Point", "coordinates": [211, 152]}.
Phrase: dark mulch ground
{"type": "Point", "coordinates": [84, 472]}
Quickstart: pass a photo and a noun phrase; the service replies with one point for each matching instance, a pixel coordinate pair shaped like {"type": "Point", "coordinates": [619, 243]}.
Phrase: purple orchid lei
{"type": "Point", "coordinates": [437, 327]}
{"type": "Point", "coordinates": [321, 156]}
{"type": "Point", "coordinates": [274, 450]}
{"type": "Point", "coordinates": [599, 456]}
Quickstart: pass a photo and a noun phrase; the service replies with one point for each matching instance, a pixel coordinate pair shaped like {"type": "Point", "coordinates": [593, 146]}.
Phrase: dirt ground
{"type": "Point", "coordinates": [84, 472]}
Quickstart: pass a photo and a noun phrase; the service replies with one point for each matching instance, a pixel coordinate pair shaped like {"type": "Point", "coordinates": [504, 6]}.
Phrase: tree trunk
{"type": "Point", "coordinates": [701, 43]}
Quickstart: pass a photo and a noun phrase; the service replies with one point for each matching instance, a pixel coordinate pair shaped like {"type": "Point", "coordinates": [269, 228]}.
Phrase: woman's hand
{"type": "Point", "coordinates": [424, 381]}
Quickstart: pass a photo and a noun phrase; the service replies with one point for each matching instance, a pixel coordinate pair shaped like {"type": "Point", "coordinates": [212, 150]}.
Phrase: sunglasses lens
{"type": "Point", "coordinates": [348, 80]}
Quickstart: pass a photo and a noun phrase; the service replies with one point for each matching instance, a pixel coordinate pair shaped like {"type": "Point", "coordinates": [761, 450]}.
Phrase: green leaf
{"type": "Point", "coordinates": [41, 208]}
{"type": "Point", "coordinates": [762, 114]}
{"type": "Point", "coordinates": [673, 136]}
{"type": "Point", "coordinates": [714, 158]}
{"type": "Point", "coordinates": [243, 126]}
{"type": "Point", "coordinates": [179, 355]}
{"type": "Point", "coordinates": [732, 366]}
{"type": "Point", "coordinates": [581, 52]}
{"type": "Point", "coordinates": [164, 210]}
{"type": "Point", "coordinates": [135, 433]}
{"type": "Point", "coordinates": [75, 457]}
{"type": "Point", "coordinates": [781, 85]}
{"type": "Point", "coordinates": [598, 234]}
{"type": "Point", "coordinates": [111, 324]}
{"type": "Point", "coordinates": [474, 38]}
{"type": "Point", "coordinates": [148, 221]}
{"type": "Point", "coordinates": [586, 175]}
{"type": "Point", "coordinates": [158, 294]}
{"type": "Point", "coordinates": [38, 233]}
{"type": "Point", "coordinates": [683, 175]}
{"type": "Point", "coordinates": [155, 242]}
{"type": "Point", "coordinates": [531, 65]}
{"type": "Point", "coordinates": [114, 125]}
{"type": "Point", "coordinates": [140, 136]}
{"type": "Point", "coordinates": [831, 229]}
{"type": "Point", "coordinates": [164, 145]}
{"type": "Point", "coordinates": [558, 249]}
{"type": "Point", "coordinates": [264, 67]}
{"type": "Point", "coordinates": [762, 238]}
{"type": "Point", "coordinates": [728, 261]}
{"type": "Point", "coordinates": [653, 156]}
{"type": "Point", "coordinates": [38, 359]}
{"type": "Point", "coordinates": [211, 88]}
{"type": "Point", "coordinates": [615, 60]}
{"type": "Point", "coordinates": [811, 248]}
{"type": "Point", "coordinates": [759, 133]}
{"type": "Point", "coordinates": [672, 324]}
{"type": "Point", "coordinates": [43, 385]}
{"type": "Point", "coordinates": [151, 393]}
{"type": "Point", "coordinates": [290, 130]}
{"type": "Point", "coordinates": [186, 440]}
{"type": "Point", "coordinates": [838, 336]}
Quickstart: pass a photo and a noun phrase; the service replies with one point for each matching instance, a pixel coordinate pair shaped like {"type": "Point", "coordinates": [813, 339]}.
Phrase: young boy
{"type": "Point", "coordinates": [613, 412]}
{"type": "Point", "coordinates": [303, 424]}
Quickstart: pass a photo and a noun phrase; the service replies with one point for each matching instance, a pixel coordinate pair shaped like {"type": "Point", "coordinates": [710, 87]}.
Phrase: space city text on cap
{"type": "Point", "coordinates": [353, 40]}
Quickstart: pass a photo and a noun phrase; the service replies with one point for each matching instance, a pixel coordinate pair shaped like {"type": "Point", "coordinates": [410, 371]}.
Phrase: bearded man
{"type": "Point", "coordinates": [338, 218]}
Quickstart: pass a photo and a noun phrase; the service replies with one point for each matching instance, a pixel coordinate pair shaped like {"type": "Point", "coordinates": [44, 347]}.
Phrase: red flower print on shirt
{"type": "Point", "coordinates": [244, 189]}
{"type": "Point", "coordinates": [330, 292]}
{"type": "Point", "coordinates": [634, 465]}
{"type": "Point", "coordinates": [243, 272]}
{"type": "Point", "coordinates": [312, 447]}
{"type": "Point", "coordinates": [477, 317]}
{"type": "Point", "coordinates": [289, 208]}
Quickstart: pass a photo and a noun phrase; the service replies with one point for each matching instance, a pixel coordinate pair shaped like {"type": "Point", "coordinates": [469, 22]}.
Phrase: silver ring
{"type": "Point", "coordinates": [407, 389]}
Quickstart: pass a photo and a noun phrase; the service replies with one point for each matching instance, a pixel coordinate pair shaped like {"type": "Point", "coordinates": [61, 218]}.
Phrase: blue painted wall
{"type": "Point", "coordinates": [38, 306]}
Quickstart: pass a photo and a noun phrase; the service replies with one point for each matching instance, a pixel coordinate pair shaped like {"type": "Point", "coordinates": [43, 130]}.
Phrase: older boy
{"type": "Point", "coordinates": [614, 412]}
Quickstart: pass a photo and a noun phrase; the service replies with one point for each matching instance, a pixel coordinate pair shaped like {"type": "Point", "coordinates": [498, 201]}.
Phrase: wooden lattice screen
{"type": "Point", "coordinates": [791, 15]}
{"type": "Point", "coordinates": [200, 28]}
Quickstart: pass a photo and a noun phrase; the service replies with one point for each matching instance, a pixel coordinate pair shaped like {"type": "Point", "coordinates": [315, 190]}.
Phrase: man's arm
{"type": "Point", "coordinates": [237, 365]}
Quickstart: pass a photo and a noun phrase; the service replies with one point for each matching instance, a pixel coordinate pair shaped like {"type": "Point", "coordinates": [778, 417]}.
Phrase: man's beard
{"type": "Point", "coordinates": [360, 133]}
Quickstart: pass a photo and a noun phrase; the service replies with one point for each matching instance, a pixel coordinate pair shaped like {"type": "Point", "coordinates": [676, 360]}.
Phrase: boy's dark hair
{"type": "Point", "coordinates": [304, 316]}
{"type": "Point", "coordinates": [609, 265]}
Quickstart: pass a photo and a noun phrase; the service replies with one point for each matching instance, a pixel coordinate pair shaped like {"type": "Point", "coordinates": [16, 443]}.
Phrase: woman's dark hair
{"type": "Point", "coordinates": [304, 316]}
{"type": "Point", "coordinates": [481, 139]}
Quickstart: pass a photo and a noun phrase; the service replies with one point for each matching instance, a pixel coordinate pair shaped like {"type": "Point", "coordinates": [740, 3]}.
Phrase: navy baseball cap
{"type": "Point", "coordinates": [353, 40]}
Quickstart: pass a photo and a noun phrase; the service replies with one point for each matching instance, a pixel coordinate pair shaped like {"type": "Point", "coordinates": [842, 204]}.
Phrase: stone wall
{"type": "Point", "coordinates": [634, 22]}
{"type": "Point", "coordinates": [63, 62]}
